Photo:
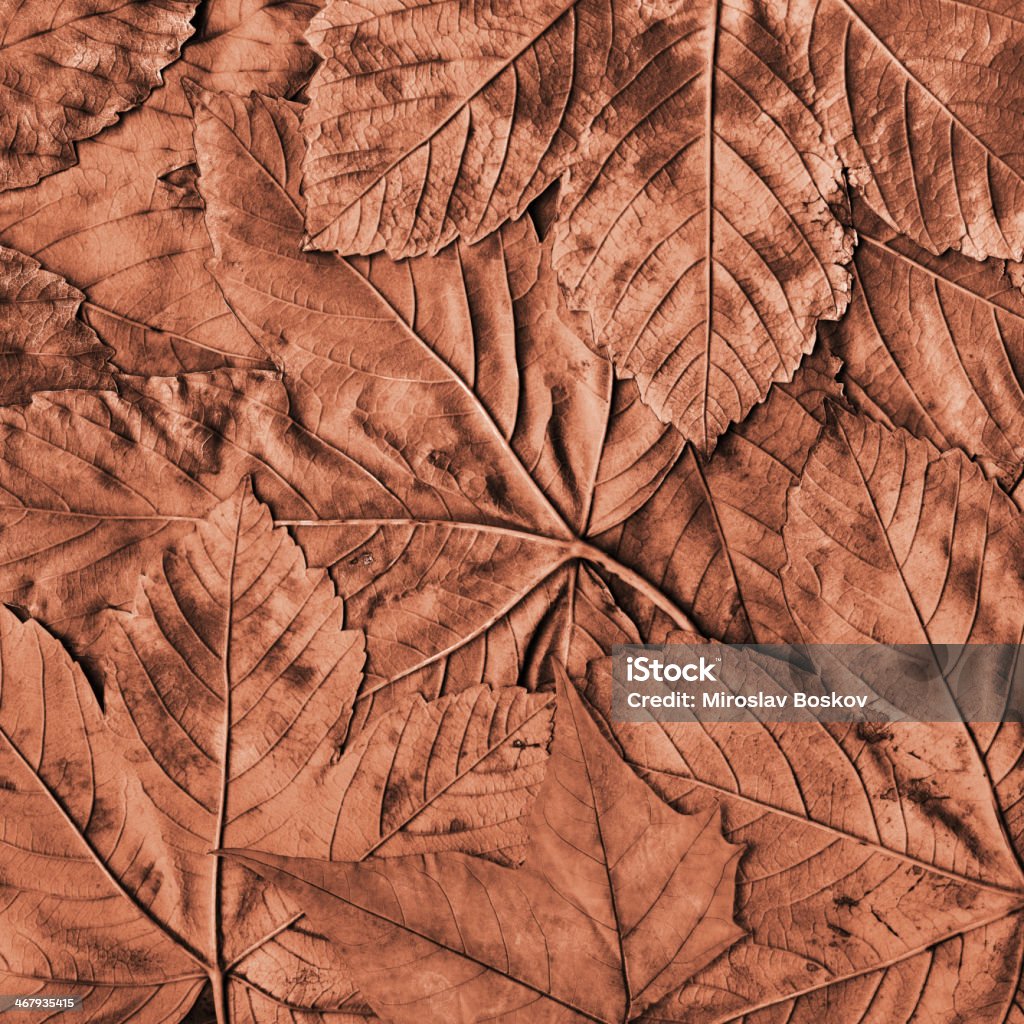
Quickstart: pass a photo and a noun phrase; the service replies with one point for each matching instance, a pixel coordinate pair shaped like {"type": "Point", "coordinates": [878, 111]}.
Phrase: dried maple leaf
{"type": "Point", "coordinates": [935, 344]}
{"type": "Point", "coordinates": [923, 102]}
{"type": "Point", "coordinates": [875, 860]}
{"type": "Point", "coordinates": [71, 68]}
{"type": "Point", "coordinates": [460, 403]}
{"type": "Point", "coordinates": [227, 692]}
{"type": "Point", "coordinates": [451, 536]}
{"type": "Point", "coordinates": [125, 224]}
{"type": "Point", "coordinates": [887, 539]}
{"type": "Point", "coordinates": [43, 345]}
{"type": "Point", "coordinates": [694, 223]}
{"type": "Point", "coordinates": [620, 900]}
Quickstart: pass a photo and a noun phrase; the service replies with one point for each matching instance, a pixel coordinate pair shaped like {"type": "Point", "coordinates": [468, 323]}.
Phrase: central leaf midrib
{"type": "Point", "coordinates": [217, 965]}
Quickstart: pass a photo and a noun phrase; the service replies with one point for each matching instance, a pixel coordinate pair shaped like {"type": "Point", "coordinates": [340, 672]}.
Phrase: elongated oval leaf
{"type": "Point", "coordinates": [934, 344]}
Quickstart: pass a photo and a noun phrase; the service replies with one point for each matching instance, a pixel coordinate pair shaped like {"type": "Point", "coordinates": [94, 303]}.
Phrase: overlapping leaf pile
{"type": "Point", "coordinates": [368, 372]}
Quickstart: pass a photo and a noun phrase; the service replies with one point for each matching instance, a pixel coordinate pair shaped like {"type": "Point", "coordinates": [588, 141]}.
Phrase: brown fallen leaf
{"type": "Point", "coordinates": [620, 899]}
{"type": "Point", "coordinates": [456, 774]}
{"type": "Point", "coordinates": [453, 557]}
{"type": "Point", "coordinates": [921, 791]}
{"type": "Point", "coordinates": [231, 672]}
{"type": "Point", "coordinates": [889, 539]}
{"type": "Point", "coordinates": [125, 225]}
{"type": "Point", "coordinates": [232, 604]}
{"type": "Point", "coordinates": [832, 816]}
{"type": "Point", "coordinates": [65, 802]}
{"type": "Point", "coordinates": [920, 547]}
{"type": "Point", "coordinates": [714, 540]}
{"type": "Point", "coordinates": [71, 68]}
{"type": "Point", "coordinates": [697, 226]}
{"type": "Point", "coordinates": [694, 222]}
{"type": "Point", "coordinates": [454, 394]}
{"type": "Point", "coordinates": [923, 102]}
{"type": "Point", "coordinates": [934, 561]}
{"type": "Point", "coordinates": [935, 344]}
{"type": "Point", "coordinates": [483, 109]}
{"type": "Point", "coordinates": [43, 345]}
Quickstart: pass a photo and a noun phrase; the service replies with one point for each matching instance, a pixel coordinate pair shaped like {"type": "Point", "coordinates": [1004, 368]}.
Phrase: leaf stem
{"type": "Point", "coordinates": [220, 1005]}
{"type": "Point", "coordinates": [583, 550]}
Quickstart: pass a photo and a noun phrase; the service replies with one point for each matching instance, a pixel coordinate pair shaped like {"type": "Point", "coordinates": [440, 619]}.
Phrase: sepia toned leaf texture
{"type": "Point", "coordinates": [369, 372]}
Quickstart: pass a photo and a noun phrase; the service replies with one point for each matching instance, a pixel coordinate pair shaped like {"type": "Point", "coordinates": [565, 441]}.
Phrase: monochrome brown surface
{"type": "Point", "coordinates": [694, 223]}
{"type": "Point", "coordinates": [43, 346]}
{"type": "Point", "coordinates": [69, 69]}
{"type": "Point", "coordinates": [368, 371]}
{"type": "Point", "coordinates": [603, 918]}
{"type": "Point", "coordinates": [922, 101]}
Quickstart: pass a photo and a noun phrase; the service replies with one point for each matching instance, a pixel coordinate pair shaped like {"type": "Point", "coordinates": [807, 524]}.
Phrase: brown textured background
{"type": "Point", "coordinates": [368, 370]}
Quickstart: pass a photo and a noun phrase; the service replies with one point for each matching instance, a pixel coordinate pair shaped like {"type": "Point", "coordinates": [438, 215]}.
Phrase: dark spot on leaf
{"type": "Point", "coordinates": [497, 488]}
{"type": "Point", "coordinates": [873, 732]}
{"type": "Point", "coordinates": [936, 806]}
